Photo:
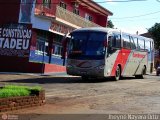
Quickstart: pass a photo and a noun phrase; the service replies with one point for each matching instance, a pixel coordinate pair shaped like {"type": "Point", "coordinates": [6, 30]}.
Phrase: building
{"type": "Point", "coordinates": [31, 31]}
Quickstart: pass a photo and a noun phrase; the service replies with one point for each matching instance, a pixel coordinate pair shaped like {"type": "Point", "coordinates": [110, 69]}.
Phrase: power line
{"type": "Point", "coordinates": [138, 15]}
{"type": "Point", "coordinates": [121, 1]}
{"type": "Point", "coordinates": [135, 20]}
{"type": "Point", "coordinates": [79, 2]}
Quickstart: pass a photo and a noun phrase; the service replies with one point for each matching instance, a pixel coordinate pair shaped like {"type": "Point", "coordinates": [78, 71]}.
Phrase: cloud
{"type": "Point", "coordinates": [133, 30]}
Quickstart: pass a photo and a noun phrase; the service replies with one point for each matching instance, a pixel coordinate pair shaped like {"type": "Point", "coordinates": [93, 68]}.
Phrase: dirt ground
{"type": "Point", "coordinates": [71, 95]}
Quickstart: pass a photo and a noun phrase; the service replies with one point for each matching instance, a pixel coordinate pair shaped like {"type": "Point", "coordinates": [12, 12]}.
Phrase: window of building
{"type": "Point", "coordinates": [47, 3]}
{"type": "Point", "coordinates": [42, 46]}
{"type": "Point", "coordinates": [76, 11]}
{"type": "Point", "coordinates": [63, 5]}
{"type": "Point", "coordinates": [88, 17]}
{"type": "Point", "coordinates": [57, 45]}
{"type": "Point", "coordinates": [57, 50]}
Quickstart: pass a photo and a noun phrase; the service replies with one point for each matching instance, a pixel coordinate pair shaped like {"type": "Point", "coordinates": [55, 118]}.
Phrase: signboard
{"type": "Point", "coordinates": [26, 11]}
{"type": "Point", "coordinates": [15, 40]}
{"type": "Point", "coordinates": [60, 28]}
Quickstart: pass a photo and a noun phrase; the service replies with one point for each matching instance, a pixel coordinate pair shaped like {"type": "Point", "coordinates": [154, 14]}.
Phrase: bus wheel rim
{"type": "Point", "coordinates": [117, 73]}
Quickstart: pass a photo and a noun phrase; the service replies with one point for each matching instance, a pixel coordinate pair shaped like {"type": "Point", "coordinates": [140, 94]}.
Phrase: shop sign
{"type": "Point", "coordinates": [15, 40]}
{"type": "Point", "coordinates": [60, 28]}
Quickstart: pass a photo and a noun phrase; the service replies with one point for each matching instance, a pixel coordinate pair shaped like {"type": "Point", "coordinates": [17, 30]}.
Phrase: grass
{"type": "Point", "coordinates": [15, 90]}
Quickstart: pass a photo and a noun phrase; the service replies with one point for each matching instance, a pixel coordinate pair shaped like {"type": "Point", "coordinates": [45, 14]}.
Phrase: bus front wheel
{"type": "Point", "coordinates": [84, 77]}
{"type": "Point", "coordinates": [117, 73]}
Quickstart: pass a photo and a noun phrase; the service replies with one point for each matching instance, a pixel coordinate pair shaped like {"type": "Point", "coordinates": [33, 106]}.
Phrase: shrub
{"type": "Point", "coordinates": [13, 93]}
{"type": "Point", "coordinates": [15, 90]}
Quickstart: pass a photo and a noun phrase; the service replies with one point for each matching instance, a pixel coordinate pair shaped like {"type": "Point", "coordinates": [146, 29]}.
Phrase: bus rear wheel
{"type": "Point", "coordinates": [117, 73]}
{"type": "Point", "coordinates": [142, 75]}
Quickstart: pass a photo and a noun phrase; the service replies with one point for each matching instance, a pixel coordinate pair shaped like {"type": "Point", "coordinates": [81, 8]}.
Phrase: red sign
{"type": "Point", "coordinates": [61, 28]}
{"type": "Point", "coordinates": [137, 55]}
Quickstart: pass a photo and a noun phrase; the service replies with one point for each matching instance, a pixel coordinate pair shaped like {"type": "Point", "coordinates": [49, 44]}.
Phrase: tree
{"type": "Point", "coordinates": [110, 24]}
{"type": "Point", "coordinates": [155, 33]}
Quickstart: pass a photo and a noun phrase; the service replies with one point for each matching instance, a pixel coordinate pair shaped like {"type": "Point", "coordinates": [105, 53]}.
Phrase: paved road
{"type": "Point", "coordinates": [71, 95]}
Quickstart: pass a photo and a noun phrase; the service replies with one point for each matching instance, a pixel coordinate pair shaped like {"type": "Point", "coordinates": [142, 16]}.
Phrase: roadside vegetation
{"type": "Point", "coordinates": [155, 33]}
{"type": "Point", "coordinates": [15, 91]}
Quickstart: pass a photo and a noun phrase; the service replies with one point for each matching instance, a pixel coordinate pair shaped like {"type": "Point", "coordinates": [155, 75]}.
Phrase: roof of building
{"type": "Point", "coordinates": [95, 6]}
{"type": "Point", "coordinates": [147, 35]}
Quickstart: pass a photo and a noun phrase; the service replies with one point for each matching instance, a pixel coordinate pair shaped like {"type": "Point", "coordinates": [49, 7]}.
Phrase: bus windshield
{"type": "Point", "coordinates": [87, 44]}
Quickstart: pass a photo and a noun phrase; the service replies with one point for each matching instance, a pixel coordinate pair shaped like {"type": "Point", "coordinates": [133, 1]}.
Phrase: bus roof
{"type": "Point", "coordinates": [100, 29]}
{"type": "Point", "coordinates": [108, 30]}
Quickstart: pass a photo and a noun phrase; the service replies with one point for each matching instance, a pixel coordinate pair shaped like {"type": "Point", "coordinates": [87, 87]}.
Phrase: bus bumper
{"type": "Point", "coordinates": [96, 72]}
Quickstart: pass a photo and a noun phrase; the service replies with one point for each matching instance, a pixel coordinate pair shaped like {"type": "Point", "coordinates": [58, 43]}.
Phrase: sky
{"type": "Point", "coordinates": [147, 12]}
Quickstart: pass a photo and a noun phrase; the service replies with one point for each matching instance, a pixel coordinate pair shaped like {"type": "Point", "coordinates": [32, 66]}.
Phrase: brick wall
{"type": "Point", "coordinates": [15, 103]}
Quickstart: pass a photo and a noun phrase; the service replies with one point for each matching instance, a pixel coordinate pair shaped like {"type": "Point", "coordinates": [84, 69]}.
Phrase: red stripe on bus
{"type": "Point", "coordinates": [121, 59]}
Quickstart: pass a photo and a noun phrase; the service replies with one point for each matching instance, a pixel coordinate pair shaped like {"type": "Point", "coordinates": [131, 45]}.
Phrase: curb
{"type": "Point", "coordinates": [57, 74]}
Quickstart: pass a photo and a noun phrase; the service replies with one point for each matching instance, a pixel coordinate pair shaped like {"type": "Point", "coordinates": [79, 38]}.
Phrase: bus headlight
{"type": "Point", "coordinates": [100, 67]}
{"type": "Point", "coordinates": [69, 66]}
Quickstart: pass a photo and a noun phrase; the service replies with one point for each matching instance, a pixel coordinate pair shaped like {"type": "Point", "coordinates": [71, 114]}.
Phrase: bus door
{"type": "Point", "coordinates": [114, 44]}
{"type": "Point", "coordinates": [113, 48]}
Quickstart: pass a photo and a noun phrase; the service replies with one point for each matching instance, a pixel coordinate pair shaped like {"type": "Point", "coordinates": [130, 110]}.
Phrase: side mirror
{"type": "Point", "coordinates": [105, 43]}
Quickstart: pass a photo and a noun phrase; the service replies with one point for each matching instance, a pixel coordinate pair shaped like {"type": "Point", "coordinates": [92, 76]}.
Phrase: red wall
{"type": "Point", "coordinates": [102, 20]}
{"type": "Point", "coordinates": [34, 38]}
{"type": "Point", "coordinates": [24, 66]}
{"type": "Point", "coordinates": [9, 11]}
{"type": "Point", "coordinates": [51, 10]}
{"type": "Point", "coordinates": [54, 68]}
{"type": "Point", "coordinates": [98, 19]}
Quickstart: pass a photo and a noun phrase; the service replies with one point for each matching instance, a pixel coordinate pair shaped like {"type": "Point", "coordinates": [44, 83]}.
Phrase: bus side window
{"type": "Point", "coordinates": [141, 44]}
{"type": "Point", "coordinates": [114, 41]}
{"type": "Point", "coordinates": [109, 48]}
{"type": "Point", "coordinates": [136, 43]}
{"type": "Point", "coordinates": [117, 41]}
{"type": "Point", "coordinates": [133, 45]}
{"type": "Point", "coordinates": [126, 41]}
{"type": "Point", "coordinates": [147, 46]}
{"type": "Point", "coordinates": [110, 38]}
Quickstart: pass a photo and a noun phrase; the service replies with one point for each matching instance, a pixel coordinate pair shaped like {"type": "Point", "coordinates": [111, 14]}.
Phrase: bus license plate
{"type": "Point", "coordinates": [83, 72]}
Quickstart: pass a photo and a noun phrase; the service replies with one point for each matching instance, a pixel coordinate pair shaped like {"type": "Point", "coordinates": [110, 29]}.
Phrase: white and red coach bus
{"type": "Point", "coordinates": [103, 52]}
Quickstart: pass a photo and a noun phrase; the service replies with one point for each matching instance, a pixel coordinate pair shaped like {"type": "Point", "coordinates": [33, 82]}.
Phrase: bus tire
{"type": "Point", "coordinates": [84, 77]}
{"type": "Point", "coordinates": [142, 75]}
{"type": "Point", "coordinates": [139, 76]}
{"type": "Point", "coordinates": [117, 73]}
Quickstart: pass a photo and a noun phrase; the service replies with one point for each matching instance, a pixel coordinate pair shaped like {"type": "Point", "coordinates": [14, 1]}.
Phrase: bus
{"type": "Point", "coordinates": [103, 52]}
